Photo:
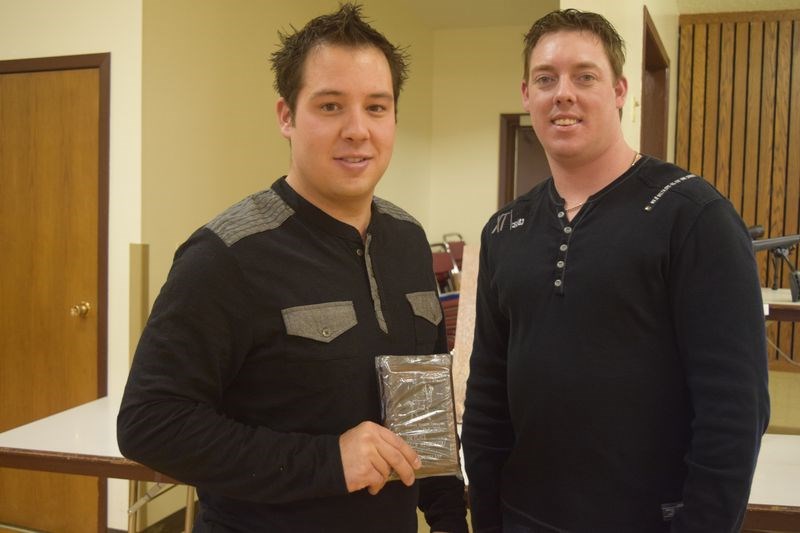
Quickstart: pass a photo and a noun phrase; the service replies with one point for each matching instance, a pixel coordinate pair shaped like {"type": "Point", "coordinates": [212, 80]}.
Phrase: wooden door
{"type": "Point", "coordinates": [53, 211]}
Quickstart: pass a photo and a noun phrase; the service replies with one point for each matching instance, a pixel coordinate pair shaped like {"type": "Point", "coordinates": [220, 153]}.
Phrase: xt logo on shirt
{"type": "Point", "coordinates": [504, 220]}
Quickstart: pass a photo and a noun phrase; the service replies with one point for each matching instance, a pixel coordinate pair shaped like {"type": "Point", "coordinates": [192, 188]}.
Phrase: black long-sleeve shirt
{"type": "Point", "coordinates": [618, 378]}
{"type": "Point", "coordinates": [259, 353]}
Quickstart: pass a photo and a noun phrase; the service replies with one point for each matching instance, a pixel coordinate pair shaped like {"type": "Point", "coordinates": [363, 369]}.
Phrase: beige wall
{"type": "Point", "coordinates": [478, 75]}
{"type": "Point", "coordinates": [784, 391]}
{"type": "Point", "coordinates": [55, 28]}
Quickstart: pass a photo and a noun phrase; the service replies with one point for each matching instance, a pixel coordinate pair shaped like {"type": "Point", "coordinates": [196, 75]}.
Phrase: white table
{"type": "Point", "coordinates": [775, 494]}
{"type": "Point", "coordinates": [778, 305]}
{"type": "Point", "coordinates": [777, 477]}
{"type": "Point", "coordinates": [82, 440]}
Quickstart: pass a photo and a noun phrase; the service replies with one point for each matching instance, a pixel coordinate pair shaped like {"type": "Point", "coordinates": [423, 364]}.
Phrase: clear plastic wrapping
{"type": "Point", "coordinates": [417, 402]}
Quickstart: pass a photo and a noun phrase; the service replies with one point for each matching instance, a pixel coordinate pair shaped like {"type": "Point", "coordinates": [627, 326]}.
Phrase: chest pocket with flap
{"type": "Point", "coordinates": [427, 316]}
{"type": "Point", "coordinates": [426, 305]}
{"type": "Point", "coordinates": [320, 322]}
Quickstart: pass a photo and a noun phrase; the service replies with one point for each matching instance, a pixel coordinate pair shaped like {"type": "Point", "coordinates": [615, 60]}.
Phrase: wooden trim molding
{"type": "Point", "coordinates": [662, 57]}
{"type": "Point", "coordinates": [739, 16]}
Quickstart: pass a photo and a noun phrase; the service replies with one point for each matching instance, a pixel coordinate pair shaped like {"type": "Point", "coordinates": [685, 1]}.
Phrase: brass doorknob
{"type": "Point", "coordinates": [80, 310]}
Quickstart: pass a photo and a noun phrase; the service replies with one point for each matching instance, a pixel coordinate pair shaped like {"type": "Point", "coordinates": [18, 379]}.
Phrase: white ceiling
{"type": "Point", "coordinates": [444, 14]}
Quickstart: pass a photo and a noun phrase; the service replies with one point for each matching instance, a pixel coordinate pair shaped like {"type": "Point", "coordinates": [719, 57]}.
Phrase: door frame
{"type": "Point", "coordinates": [655, 78]}
{"type": "Point", "coordinates": [509, 122]}
{"type": "Point", "coordinates": [102, 62]}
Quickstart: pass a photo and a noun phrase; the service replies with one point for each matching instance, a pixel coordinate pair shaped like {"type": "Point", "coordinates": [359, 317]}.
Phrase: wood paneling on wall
{"type": "Point", "coordinates": [739, 127]}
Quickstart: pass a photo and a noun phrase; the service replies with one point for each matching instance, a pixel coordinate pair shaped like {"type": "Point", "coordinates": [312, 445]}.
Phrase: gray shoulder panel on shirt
{"type": "Point", "coordinates": [258, 212]}
{"type": "Point", "coordinates": [388, 208]}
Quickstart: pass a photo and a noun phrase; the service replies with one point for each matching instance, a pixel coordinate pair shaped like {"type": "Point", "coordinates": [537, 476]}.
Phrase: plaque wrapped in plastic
{"type": "Point", "coordinates": [417, 401]}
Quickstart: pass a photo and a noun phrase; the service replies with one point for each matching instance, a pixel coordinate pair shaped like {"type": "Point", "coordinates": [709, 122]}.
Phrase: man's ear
{"type": "Point", "coordinates": [525, 96]}
{"type": "Point", "coordinates": [621, 91]}
{"type": "Point", "coordinates": [285, 118]}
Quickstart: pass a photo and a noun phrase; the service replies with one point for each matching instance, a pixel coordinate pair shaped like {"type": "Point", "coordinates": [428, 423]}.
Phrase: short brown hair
{"type": "Point", "coordinates": [345, 28]}
{"type": "Point", "coordinates": [574, 20]}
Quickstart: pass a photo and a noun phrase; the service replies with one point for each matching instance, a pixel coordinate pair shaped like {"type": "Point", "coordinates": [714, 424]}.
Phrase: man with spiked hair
{"type": "Point", "coordinates": [254, 379]}
{"type": "Point", "coordinates": [618, 379]}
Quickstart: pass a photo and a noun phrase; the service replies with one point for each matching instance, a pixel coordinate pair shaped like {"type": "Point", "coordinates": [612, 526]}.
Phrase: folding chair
{"type": "Point", "coordinates": [450, 311]}
{"type": "Point", "coordinates": [443, 267]}
{"type": "Point", "coordinates": [455, 245]}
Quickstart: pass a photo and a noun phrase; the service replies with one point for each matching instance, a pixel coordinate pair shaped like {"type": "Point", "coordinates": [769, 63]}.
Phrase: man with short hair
{"type": "Point", "coordinates": [254, 379]}
{"type": "Point", "coordinates": [618, 379]}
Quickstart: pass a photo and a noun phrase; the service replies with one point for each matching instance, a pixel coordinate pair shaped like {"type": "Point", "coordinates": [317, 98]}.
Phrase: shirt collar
{"type": "Point", "coordinates": [315, 216]}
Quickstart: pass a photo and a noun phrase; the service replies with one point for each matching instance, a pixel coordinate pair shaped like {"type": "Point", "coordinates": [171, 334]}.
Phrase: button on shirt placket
{"type": "Point", "coordinates": [561, 262]}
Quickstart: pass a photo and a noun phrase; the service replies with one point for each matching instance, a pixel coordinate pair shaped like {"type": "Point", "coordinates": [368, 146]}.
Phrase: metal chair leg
{"type": "Point", "coordinates": [133, 492]}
